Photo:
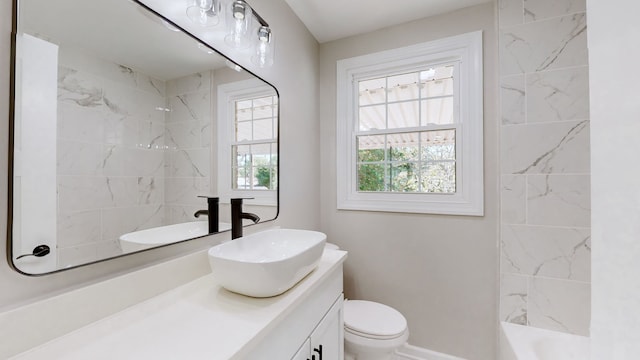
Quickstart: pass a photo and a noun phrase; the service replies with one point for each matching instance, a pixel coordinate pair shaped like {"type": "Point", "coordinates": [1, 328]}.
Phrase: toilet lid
{"type": "Point", "coordinates": [378, 320]}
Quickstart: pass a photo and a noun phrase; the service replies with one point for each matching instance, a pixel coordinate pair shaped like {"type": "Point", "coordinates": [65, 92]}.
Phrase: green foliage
{"type": "Point", "coordinates": [263, 175]}
{"type": "Point", "coordinates": [401, 169]}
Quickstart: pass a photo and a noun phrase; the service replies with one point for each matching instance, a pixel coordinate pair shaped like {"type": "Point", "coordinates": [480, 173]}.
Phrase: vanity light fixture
{"type": "Point", "coordinates": [170, 26]}
{"type": "Point", "coordinates": [244, 26]}
{"type": "Point", "coordinates": [263, 56]}
{"type": "Point", "coordinates": [205, 49]}
{"type": "Point", "coordinates": [233, 66]}
{"type": "Point", "coordinates": [204, 12]}
{"type": "Point", "coordinates": [239, 22]}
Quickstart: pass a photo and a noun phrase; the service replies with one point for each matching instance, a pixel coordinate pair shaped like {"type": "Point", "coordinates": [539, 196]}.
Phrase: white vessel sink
{"type": "Point", "coordinates": [267, 263]}
{"type": "Point", "coordinates": [163, 235]}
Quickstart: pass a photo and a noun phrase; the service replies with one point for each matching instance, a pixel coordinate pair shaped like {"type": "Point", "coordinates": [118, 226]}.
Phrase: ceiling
{"type": "Point", "coordinates": [335, 19]}
{"type": "Point", "coordinates": [118, 31]}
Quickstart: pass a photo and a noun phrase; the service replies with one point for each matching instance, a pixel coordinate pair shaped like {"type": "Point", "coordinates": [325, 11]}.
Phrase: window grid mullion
{"type": "Point", "coordinates": [420, 109]}
{"type": "Point", "coordinates": [408, 130]}
{"type": "Point", "coordinates": [388, 163]}
{"type": "Point", "coordinates": [406, 101]}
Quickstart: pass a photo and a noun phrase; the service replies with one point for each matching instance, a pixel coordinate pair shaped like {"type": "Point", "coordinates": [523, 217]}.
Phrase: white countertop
{"type": "Point", "coordinates": [199, 320]}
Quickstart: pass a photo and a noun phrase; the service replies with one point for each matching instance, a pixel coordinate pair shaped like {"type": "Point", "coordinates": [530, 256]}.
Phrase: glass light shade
{"type": "Point", "coordinates": [264, 48]}
{"type": "Point", "coordinates": [233, 66]}
{"type": "Point", "coordinates": [239, 21]}
{"type": "Point", "coordinates": [204, 12]}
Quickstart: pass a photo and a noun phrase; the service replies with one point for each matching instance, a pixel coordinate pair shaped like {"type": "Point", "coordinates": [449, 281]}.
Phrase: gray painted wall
{"type": "Point", "coordinates": [440, 271]}
{"type": "Point", "coordinates": [615, 85]}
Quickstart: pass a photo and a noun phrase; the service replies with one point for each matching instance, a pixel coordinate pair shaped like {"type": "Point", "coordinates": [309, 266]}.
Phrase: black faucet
{"type": "Point", "coordinates": [211, 212]}
{"type": "Point", "coordinates": [236, 218]}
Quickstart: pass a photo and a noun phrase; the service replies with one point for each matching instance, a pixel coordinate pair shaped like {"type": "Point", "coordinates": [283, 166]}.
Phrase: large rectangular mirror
{"type": "Point", "coordinates": [121, 121]}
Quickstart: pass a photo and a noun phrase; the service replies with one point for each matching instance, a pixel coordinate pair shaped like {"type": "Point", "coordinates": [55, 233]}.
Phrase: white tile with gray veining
{"type": "Point", "coordinates": [513, 199]}
{"type": "Point", "coordinates": [549, 148]}
{"type": "Point", "coordinates": [544, 45]}
{"type": "Point", "coordinates": [76, 228]}
{"type": "Point", "coordinates": [177, 214]}
{"type": "Point", "coordinates": [121, 130]}
{"type": "Point", "coordinates": [205, 133]}
{"type": "Point", "coordinates": [144, 162]}
{"type": "Point", "coordinates": [535, 10]}
{"type": "Point", "coordinates": [101, 68]}
{"type": "Point", "coordinates": [512, 99]}
{"type": "Point", "coordinates": [113, 160]}
{"type": "Point", "coordinates": [79, 88]}
{"type": "Point", "coordinates": [79, 123]}
{"type": "Point", "coordinates": [123, 101]}
{"type": "Point", "coordinates": [121, 192]}
{"type": "Point", "coordinates": [190, 107]}
{"type": "Point", "coordinates": [558, 95]}
{"type": "Point", "coordinates": [109, 248]}
{"type": "Point", "coordinates": [559, 305]}
{"type": "Point", "coordinates": [513, 298]}
{"type": "Point", "coordinates": [149, 106]}
{"type": "Point", "coordinates": [511, 12]}
{"type": "Point", "coordinates": [78, 158]}
{"type": "Point", "coordinates": [151, 85]}
{"type": "Point", "coordinates": [151, 190]}
{"type": "Point", "coordinates": [562, 253]}
{"type": "Point", "coordinates": [185, 191]}
{"type": "Point", "coordinates": [77, 255]}
{"type": "Point", "coordinates": [79, 193]}
{"type": "Point", "coordinates": [151, 134]}
{"type": "Point", "coordinates": [119, 221]}
{"type": "Point", "coordinates": [184, 135]}
{"type": "Point", "coordinates": [190, 83]}
{"type": "Point", "coordinates": [559, 200]}
{"type": "Point", "coordinates": [189, 163]}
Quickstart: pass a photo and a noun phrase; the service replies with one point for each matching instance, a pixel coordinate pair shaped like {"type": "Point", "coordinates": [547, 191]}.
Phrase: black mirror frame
{"type": "Point", "coordinates": [11, 143]}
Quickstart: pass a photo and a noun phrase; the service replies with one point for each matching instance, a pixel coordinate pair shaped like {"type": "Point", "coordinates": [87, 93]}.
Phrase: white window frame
{"type": "Point", "coordinates": [227, 94]}
{"type": "Point", "coordinates": [466, 50]}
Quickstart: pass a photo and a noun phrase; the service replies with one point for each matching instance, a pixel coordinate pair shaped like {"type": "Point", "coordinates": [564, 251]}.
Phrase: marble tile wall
{"type": "Point", "coordinates": [188, 140]}
{"type": "Point", "coordinates": [545, 176]}
{"type": "Point", "coordinates": [110, 173]}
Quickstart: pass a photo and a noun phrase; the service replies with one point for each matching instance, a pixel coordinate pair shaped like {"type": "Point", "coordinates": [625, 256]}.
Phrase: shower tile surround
{"type": "Point", "coordinates": [545, 171]}
{"type": "Point", "coordinates": [125, 165]}
{"type": "Point", "coordinates": [188, 143]}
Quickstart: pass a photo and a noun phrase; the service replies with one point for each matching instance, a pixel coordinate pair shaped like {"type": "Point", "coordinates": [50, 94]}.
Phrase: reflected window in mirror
{"type": "Point", "coordinates": [248, 131]}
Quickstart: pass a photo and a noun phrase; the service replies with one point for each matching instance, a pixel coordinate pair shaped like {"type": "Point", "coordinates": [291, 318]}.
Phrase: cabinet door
{"type": "Point", "coordinates": [327, 340]}
{"type": "Point", "coordinates": [304, 352]}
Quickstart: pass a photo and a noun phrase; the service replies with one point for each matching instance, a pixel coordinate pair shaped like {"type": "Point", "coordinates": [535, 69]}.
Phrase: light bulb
{"type": "Point", "coordinates": [233, 66]}
{"type": "Point", "coordinates": [204, 12]}
{"type": "Point", "coordinates": [263, 56]}
{"type": "Point", "coordinates": [238, 24]}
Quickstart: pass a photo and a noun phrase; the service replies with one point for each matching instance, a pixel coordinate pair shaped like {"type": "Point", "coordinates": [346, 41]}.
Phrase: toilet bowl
{"type": "Point", "coordinates": [372, 331]}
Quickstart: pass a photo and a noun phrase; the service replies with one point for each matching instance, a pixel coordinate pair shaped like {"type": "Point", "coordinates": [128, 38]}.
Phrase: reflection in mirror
{"type": "Point", "coordinates": [121, 121]}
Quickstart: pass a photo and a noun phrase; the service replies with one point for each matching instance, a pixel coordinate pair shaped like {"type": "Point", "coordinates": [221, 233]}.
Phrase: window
{"type": "Point", "coordinates": [248, 137]}
{"type": "Point", "coordinates": [409, 125]}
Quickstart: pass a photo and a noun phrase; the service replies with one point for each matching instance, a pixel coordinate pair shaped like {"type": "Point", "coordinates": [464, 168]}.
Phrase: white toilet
{"type": "Point", "coordinates": [372, 331]}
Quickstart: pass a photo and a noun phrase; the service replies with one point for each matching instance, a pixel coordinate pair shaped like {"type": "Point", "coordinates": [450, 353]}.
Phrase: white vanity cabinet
{"type": "Point", "coordinates": [314, 325]}
{"type": "Point", "coordinates": [202, 321]}
{"type": "Point", "coordinates": [326, 340]}
{"type": "Point", "coordinates": [305, 351]}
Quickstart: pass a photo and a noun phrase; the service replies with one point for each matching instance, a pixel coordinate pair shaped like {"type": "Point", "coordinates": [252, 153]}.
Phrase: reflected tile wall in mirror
{"type": "Point", "coordinates": [133, 136]}
{"type": "Point", "coordinates": [110, 155]}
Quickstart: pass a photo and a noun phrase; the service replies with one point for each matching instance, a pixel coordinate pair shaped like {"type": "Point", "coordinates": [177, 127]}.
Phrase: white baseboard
{"type": "Point", "coordinates": [410, 352]}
